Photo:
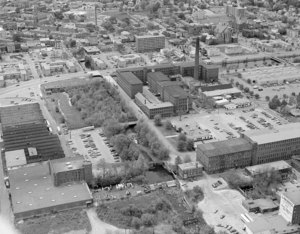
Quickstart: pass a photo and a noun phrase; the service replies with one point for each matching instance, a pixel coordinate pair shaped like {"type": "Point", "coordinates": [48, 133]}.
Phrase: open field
{"type": "Point", "coordinates": [62, 222]}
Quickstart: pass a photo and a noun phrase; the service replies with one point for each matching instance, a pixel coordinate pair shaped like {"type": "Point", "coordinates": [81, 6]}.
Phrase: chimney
{"type": "Point", "coordinates": [196, 68]}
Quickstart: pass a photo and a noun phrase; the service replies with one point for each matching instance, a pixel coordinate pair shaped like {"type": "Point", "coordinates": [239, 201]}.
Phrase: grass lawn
{"type": "Point", "coordinates": [61, 222]}
{"type": "Point", "coordinates": [166, 132]}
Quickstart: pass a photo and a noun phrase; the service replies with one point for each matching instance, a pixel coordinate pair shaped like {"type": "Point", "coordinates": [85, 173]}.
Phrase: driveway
{"type": "Point", "coordinates": [100, 227]}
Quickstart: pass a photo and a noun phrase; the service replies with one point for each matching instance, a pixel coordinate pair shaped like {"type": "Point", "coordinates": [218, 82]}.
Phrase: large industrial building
{"type": "Point", "coordinates": [252, 148]}
{"type": "Point", "coordinates": [129, 83]}
{"type": "Point", "coordinates": [149, 43]}
{"type": "Point", "coordinates": [34, 190]}
{"type": "Point", "coordinates": [24, 129]}
{"type": "Point", "coordinates": [271, 145]}
{"type": "Point", "coordinates": [223, 155]}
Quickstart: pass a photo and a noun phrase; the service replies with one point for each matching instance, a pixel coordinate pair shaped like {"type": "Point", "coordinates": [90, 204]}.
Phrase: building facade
{"type": "Point", "coordinates": [190, 170]}
{"type": "Point", "coordinates": [129, 83]}
{"type": "Point", "coordinates": [149, 43]}
{"type": "Point", "coordinates": [223, 155]}
{"type": "Point", "coordinates": [290, 207]}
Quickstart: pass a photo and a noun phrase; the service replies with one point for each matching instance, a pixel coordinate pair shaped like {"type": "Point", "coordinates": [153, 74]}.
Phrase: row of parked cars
{"type": "Point", "coordinates": [112, 150]}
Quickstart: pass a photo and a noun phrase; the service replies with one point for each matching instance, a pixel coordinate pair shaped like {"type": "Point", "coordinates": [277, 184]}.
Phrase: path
{"type": "Point", "coordinates": [100, 227]}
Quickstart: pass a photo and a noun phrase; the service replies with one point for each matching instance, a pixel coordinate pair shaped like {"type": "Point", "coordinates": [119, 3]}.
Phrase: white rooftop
{"type": "Point", "coordinates": [15, 158]}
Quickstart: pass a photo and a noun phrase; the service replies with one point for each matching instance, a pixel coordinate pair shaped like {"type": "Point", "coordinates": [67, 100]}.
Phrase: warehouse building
{"type": "Point", "coordinates": [271, 145]}
{"type": "Point", "coordinates": [207, 72]}
{"type": "Point", "coordinates": [154, 78]}
{"type": "Point", "coordinates": [33, 193]}
{"type": "Point", "coordinates": [178, 97]}
{"type": "Point", "coordinates": [222, 155]}
{"type": "Point", "coordinates": [149, 43]}
{"type": "Point", "coordinates": [129, 83]}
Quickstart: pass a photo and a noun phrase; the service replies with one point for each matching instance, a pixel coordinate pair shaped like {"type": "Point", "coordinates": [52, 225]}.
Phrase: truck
{"type": "Point", "coordinates": [58, 130]}
{"type": "Point", "coordinates": [89, 128]}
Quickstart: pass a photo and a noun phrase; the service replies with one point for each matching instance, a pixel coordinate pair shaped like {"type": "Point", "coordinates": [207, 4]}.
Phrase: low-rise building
{"type": "Point", "coordinates": [222, 155]}
{"type": "Point", "coordinates": [190, 170]}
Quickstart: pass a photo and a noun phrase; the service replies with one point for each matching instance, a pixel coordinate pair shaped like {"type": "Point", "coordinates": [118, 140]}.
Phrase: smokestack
{"type": "Point", "coordinates": [196, 68]}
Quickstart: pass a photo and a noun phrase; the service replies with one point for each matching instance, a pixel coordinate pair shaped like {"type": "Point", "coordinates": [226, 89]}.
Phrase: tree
{"type": "Point", "coordinates": [237, 84]}
{"type": "Point", "coordinates": [108, 26]}
{"type": "Point", "coordinates": [71, 17]}
{"type": "Point", "coordinates": [246, 89]}
{"type": "Point", "coordinates": [136, 222]}
{"type": "Point", "coordinates": [58, 15]}
{"type": "Point", "coordinates": [178, 161]}
{"type": "Point", "coordinates": [190, 145]}
{"type": "Point", "coordinates": [87, 63]}
{"type": "Point", "coordinates": [267, 98]}
{"type": "Point", "coordinates": [163, 154]}
{"type": "Point", "coordinates": [148, 220]}
{"type": "Point", "coordinates": [182, 137]}
{"type": "Point", "coordinates": [257, 96]}
{"type": "Point", "coordinates": [181, 16]}
{"type": "Point", "coordinates": [284, 103]}
{"type": "Point", "coordinates": [72, 43]}
{"type": "Point", "coordinates": [17, 37]}
{"type": "Point", "coordinates": [157, 120]}
{"type": "Point", "coordinates": [248, 81]}
{"type": "Point", "coordinates": [168, 125]}
{"type": "Point", "coordinates": [181, 145]}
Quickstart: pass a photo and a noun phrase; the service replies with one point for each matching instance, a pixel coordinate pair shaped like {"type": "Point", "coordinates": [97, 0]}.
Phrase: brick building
{"type": "Point", "coordinates": [222, 155]}
{"type": "Point", "coordinates": [207, 72]}
{"type": "Point", "coordinates": [129, 83]}
{"type": "Point", "coordinates": [190, 170]}
{"type": "Point", "coordinates": [178, 97]}
{"type": "Point", "coordinates": [290, 206]}
{"type": "Point", "coordinates": [274, 144]}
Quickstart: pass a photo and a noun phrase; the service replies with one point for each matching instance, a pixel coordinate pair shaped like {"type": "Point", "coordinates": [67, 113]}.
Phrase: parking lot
{"type": "Point", "coordinates": [92, 146]}
{"type": "Point", "coordinates": [223, 125]}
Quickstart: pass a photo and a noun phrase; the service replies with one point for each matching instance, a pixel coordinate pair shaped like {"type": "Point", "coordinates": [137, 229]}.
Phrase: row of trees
{"type": "Point", "coordinates": [147, 138]}
{"type": "Point", "coordinates": [275, 102]}
{"type": "Point", "coordinates": [184, 143]}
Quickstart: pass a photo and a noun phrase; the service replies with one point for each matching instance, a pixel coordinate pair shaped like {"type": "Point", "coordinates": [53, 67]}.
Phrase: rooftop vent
{"type": "Point", "coordinates": [18, 202]}
{"type": "Point", "coordinates": [53, 200]}
{"type": "Point", "coordinates": [70, 166]}
{"type": "Point", "coordinates": [17, 188]}
{"type": "Point", "coordinates": [45, 177]}
{"type": "Point", "coordinates": [47, 189]}
{"type": "Point", "coordinates": [29, 192]}
{"type": "Point", "coordinates": [75, 196]}
{"type": "Point", "coordinates": [41, 198]}
{"type": "Point", "coordinates": [62, 194]}
{"type": "Point", "coordinates": [30, 204]}
{"type": "Point", "coordinates": [27, 180]}
{"type": "Point", "coordinates": [35, 184]}
{"type": "Point", "coordinates": [68, 163]}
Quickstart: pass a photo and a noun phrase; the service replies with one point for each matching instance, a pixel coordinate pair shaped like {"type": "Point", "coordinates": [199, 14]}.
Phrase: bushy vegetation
{"type": "Point", "coordinates": [184, 144]}
{"type": "Point", "coordinates": [195, 194]}
{"type": "Point", "coordinates": [99, 102]}
{"type": "Point", "coordinates": [62, 222]}
{"type": "Point", "coordinates": [147, 138]}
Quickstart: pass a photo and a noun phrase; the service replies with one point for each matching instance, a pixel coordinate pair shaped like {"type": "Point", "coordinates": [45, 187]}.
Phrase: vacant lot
{"type": "Point", "coordinates": [61, 222]}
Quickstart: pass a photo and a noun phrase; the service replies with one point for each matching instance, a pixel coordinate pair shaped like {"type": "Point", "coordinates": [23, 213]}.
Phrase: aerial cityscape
{"type": "Point", "coordinates": [150, 117]}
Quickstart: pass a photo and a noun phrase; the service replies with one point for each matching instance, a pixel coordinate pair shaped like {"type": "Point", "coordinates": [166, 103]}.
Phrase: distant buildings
{"type": "Point", "coordinates": [190, 170]}
{"type": "Point", "coordinates": [149, 43]}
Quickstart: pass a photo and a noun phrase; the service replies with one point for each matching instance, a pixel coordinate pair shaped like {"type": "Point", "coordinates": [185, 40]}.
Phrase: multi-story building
{"type": "Point", "coordinates": [207, 72]}
{"type": "Point", "coordinates": [154, 78]}
{"type": "Point", "coordinates": [222, 155]}
{"type": "Point", "coordinates": [190, 170]}
{"type": "Point", "coordinates": [178, 97]}
{"type": "Point", "coordinates": [151, 106]}
{"type": "Point", "coordinates": [67, 170]}
{"type": "Point", "coordinates": [129, 83]}
{"type": "Point", "coordinates": [274, 144]}
{"type": "Point", "coordinates": [149, 42]}
{"type": "Point", "coordinates": [290, 206]}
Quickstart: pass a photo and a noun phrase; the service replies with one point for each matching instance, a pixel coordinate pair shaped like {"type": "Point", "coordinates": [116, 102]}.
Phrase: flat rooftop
{"type": "Point", "coordinates": [293, 196]}
{"type": "Point", "coordinates": [224, 147]}
{"type": "Point", "coordinates": [189, 165]}
{"type": "Point", "coordinates": [151, 105]}
{"type": "Point", "coordinates": [271, 224]}
{"type": "Point", "coordinates": [279, 73]}
{"type": "Point", "coordinates": [261, 168]}
{"type": "Point", "coordinates": [15, 158]}
{"type": "Point", "coordinates": [157, 76]}
{"type": "Point", "coordinates": [66, 164]}
{"type": "Point", "coordinates": [130, 78]}
{"type": "Point", "coordinates": [149, 36]}
{"type": "Point", "coordinates": [221, 92]}
{"type": "Point", "coordinates": [32, 188]}
{"type": "Point", "coordinates": [281, 133]}
{"type": "Point", "coordinates": [176, 92]}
